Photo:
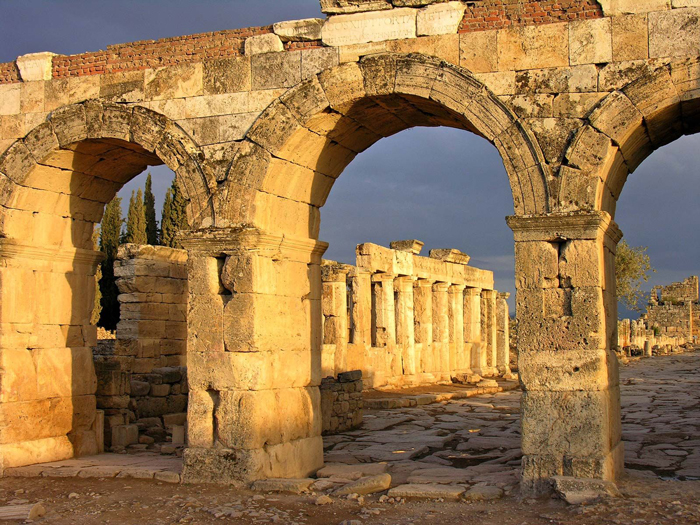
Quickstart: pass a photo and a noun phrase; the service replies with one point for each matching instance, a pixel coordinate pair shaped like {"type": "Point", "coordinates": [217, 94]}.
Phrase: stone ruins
{"type": "Point", "coordinates": [257, 124]}
{"type": "Point", "coordinates": [672, 319]}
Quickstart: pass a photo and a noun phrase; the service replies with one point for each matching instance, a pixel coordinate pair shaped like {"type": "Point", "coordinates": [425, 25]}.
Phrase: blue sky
{"type": "Point", "coordinates": [445, 187]}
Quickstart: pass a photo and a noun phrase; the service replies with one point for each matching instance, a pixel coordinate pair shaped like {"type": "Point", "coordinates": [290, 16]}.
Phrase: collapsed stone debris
{"type": "Point", "coordinates": [258, 124]}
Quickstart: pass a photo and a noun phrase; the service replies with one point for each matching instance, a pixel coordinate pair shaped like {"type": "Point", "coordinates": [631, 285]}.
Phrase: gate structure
{"type": "Point", "coordinates": [257, 124]}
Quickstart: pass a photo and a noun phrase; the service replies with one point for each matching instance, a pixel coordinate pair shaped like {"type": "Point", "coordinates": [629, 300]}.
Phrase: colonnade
{"type": "Point", "coordinates": [404, 319]}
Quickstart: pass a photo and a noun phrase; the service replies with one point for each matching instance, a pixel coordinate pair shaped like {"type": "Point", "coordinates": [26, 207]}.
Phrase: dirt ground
{"type": "Point", "coordinates": [661, 419]}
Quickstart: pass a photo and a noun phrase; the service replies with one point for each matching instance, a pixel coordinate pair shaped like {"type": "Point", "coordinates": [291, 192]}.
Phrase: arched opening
{"type": "Point", "coordinates": [624, 130]}
{"type": "Point", "coordinates": [266, 262]}
{"type": "Point", "coordinates": [56, 182]}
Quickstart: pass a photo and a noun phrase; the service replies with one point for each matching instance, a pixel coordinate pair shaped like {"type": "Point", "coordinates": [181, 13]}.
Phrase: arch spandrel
{"type": "Point", "coordinates": [626, 127]}
{"type": "Point", "coordinates": [301, 143]}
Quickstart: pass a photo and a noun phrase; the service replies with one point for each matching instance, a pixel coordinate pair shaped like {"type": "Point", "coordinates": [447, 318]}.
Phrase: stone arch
{"type": "Point", "coordinates": [624, 129]}
{"type": "Point", "coordinates": [301, 143]}
{"type": "Point", "coordinates": [54, 184]}
{"type": "Point", "coordinates": [121, 141]}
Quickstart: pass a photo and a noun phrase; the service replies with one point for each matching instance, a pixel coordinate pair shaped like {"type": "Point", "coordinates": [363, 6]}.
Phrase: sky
{"type": "Point", "coordinates": [445, 187]}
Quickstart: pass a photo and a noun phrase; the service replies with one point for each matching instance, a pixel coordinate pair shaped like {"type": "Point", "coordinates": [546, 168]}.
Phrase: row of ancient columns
{"type": "Point", "coordinates": [407, 330]}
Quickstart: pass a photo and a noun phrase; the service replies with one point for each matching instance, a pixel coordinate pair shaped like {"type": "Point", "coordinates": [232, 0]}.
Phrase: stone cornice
{"type": "Point", "coordinates": [11, 249]}
{"type": "Point", "coordinates": [558, 227]}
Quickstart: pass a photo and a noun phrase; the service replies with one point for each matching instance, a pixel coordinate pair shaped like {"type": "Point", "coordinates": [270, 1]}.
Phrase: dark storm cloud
{"type": "Point", "coordinates": [445, 187]}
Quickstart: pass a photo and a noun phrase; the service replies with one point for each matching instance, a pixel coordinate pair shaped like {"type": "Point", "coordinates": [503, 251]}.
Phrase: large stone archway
{"type": "Point", "coordinates": [260, 314]}
{"type": "Point", "coordinates": [55, 183]}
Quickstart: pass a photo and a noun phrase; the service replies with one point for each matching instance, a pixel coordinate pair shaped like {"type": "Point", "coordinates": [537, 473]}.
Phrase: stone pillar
{"type": "Point", "coordinates": [489, 331]}
{"type": "Point", "coordinates": [384, 325]}
{"type": "Point", "coordinates": [253, 356]}
{"type": "Point", "coordinates": [565, 279]}
{"type": "Point", "coordinates": [472, 331]}
{"type": "Point", "coordinates": [361, 322]}
{"type": "Point", "coordinates": [458, 363]}
{"type": "Point", "coordinates": [48, 383]}
{"type": "Point", "coordinates": [503, 338]}
{"type": "Point", "coordinates": [441, 332]}
{"type": "Point", "coordinates": [334, 304]}
{"type": "Point", "coordinates": [405, 329]}
{"type": "Point", "coordinates": [423, 318]}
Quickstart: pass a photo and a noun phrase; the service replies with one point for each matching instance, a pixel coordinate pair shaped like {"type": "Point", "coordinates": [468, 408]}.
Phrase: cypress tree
{"type": "Point", "coordinates": [149, 205]}
{"type": "Point", "coordinates": [136, 220]}
{"type": "Point", "coordinates": [97, 304]}
{"type": "Point", "coordinates": [109, 243]}
{"type": "Point", "coordinates": [174, 216]}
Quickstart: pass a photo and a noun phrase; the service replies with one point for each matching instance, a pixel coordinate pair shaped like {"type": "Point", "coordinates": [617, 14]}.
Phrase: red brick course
{"type": "Point", "coordinates": [9, 73]}
{"type": "Point", "coordinates": [147, 54]}
{"type": "Point", "coordinates": [499, 14]}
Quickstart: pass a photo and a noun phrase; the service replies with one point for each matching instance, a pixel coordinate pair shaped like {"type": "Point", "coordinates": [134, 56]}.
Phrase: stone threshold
{"type": "Point", "coordinates": [135, 466]}
{"type": "Point", "coordinates": [412, 400]}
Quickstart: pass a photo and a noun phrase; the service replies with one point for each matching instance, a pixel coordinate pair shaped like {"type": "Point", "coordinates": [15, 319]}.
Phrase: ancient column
{"type": "Point", "coordinates": [361, 322]}
{"type": "Point", "coordinates": [405, 335]}
{"type": "Point", "coordinates": [334, 305]}
{"type": "Point", "coordinates": [567, 317]}
{"type": "Point", "coordinates": [253, 356]}
{"type": "Point", "coordinates": [441, 332]}
{"type": "Point", "coordinates": [384, 326]}
{"type": "Point", "coordinates": [489, 330]}
{"type": "Point", "coordinates": [458, 363]}
{"type": "Point", "coordinates": [503, 336]}
{"type": "Point", "coordinates": [472, 331]}
{"type": "Point", "coordinates": [423, 318]}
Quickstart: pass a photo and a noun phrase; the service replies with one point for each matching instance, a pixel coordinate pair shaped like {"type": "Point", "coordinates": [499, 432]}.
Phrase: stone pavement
{"type": "Point", "coordinates": [146, 465]}
{"type": "Point", "coordinates": [461, 445]}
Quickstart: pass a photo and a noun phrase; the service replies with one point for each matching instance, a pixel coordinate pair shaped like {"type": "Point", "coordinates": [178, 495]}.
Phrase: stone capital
{"type": "Point", "coordinates": [216, 242]}
{"type": "Point", "coordinates": [558, 227]}
{"type": "Point", "coordinates": [503, 295]}
{"type": "Point", "coordinates": [457, 289]}
{"type": "Point", "coordinates": [332, 271]}
{"type": "Point", "coordinates": [383, 277]}
{"type": "Point", "coordinates": [441, 287]}
{"type": "Point", "coordinates": [472, 292]}
{"type": "Point", "coordinates": [404, 283]}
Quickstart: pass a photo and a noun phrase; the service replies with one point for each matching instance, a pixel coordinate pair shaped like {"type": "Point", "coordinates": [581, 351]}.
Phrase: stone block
{"type": "Point", "coordinates": [362, 28]}
{"type": "Point", "coordinates": [537, 265]}
{"type": "Point", "coordinates": [439, 19]}
{"type": "Point", "coordinates": [313, 61]}
{"type": "Point", "coordinates": [64, 372]}
{"type": "Point", "coordinates": [160, 390]}
{"type": "Point", "coordinates": [366, 485]}
{"type": "Point", "coordinates": [173, 420]}
{"type": "Point", "coordinates": [620, 7]}
{"type": "Point", "coordinates": [19, 382]}
{"type": "Point", "coordinates": [124, 435]}
{"type": "Point", "coordinates": [35, 451]}
{"type": "Point", "coordinates": [182, 80]}
{"type": "Point", "coordinates": [228, 75]}
{"type": "Point", "coordinates": [532, 47]}
{"type": "Point", "coordinates": [427, 491]}
{"type": "Point", "coordinates": [630, 38]}
{"type": "Point", "coordinates": [335, 7]}
{"type": "Point", "coordinates": [478, 51]}
{"type": "Point", "coordinates": [674, 33]}
{"type": "Point", "coordinates": [291, 486]}
{"type": "Point", "coordinates": [35, 66]}
{"type": "Point", "coordinates": [276, 70]}
{"type": "Point", "coordinates": [259, 44]}
{"type": "Point", "coordinates": [205, 323]}
{"type": "Point", "coordinates": [10, 96]}
{"type": "Point", "coordinates": [251, 420]}
{"type": "Point", "coordinates": [590, 41]}
{"type": "Point", "coordinates": [299, 30]}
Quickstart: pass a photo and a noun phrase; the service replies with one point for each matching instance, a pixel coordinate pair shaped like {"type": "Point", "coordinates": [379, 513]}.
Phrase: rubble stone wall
{"type": "Point", "coordinates": [142, 380]}
{"type": "Point", "coordinates": [341, 402]}
{"type": "Point", "coordinates": [403, 319]}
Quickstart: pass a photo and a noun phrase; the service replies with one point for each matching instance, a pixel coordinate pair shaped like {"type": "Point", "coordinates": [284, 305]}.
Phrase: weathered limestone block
{"type": "Point", "coordinates": [183, 80]}
{"type": "Point", "coordinates": [296, 30]}
{"type": "Point", "coordinates": [630, 38]}
{"type": "Point", "coordinates": [362, 28]}
{"type": "Point", "coordinates": [590, 41]}
{"type": "Point", "coordinates": [674, 33]}
{"type": "Point", "coordinates": [440, 19]}
{"type": "Point", "coordinates": [532, 47]}
{"type": "Point", "coordinates": [619, 7]}
{"type": "Point", "coordinates": [276, 70]}
{"type": "Point", "coordinates": [334, 7]}
{"type": "Point", "coordinates": [259, 44]}
{"type": "Point", "coordinates": [36, 66]}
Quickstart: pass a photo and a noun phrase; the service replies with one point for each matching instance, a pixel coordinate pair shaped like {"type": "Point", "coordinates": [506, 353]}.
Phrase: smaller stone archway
{"type": "Point", "coordinates": [255, 281]}
{"type": "Point", "coordinates": [54, 185]}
